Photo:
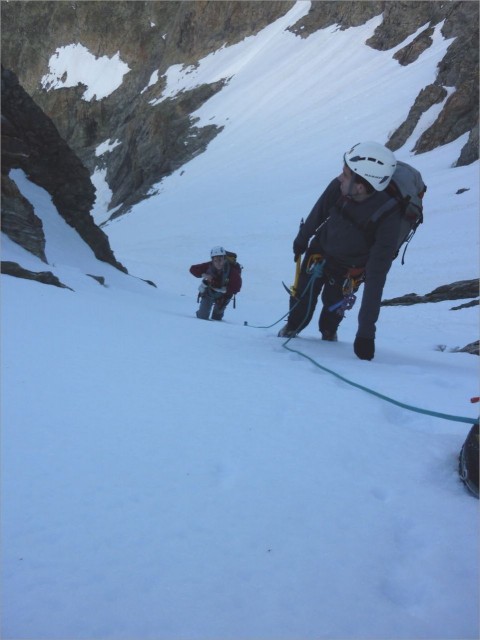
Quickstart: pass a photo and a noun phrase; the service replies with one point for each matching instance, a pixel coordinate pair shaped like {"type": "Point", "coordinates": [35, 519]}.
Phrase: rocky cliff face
{"type": "Point", "coordinates": [151, 36]}
{"type": "Point", "coordinates": [458, 69]}
{"type": "Point", "coordinates": [31, 142]}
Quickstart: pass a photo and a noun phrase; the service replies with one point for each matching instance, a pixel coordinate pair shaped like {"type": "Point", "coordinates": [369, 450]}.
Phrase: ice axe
{"type": "Point", "coordinates": [293, 289]}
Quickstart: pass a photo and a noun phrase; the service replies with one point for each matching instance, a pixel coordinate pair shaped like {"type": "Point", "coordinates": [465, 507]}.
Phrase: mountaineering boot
{"type": "Point", "coordinates": [329, 336]}
{"type": "Point", "coordinates": [286, 332]}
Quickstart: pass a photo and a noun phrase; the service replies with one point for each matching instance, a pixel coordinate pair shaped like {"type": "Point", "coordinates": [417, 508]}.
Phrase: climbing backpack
{"type": "Point", "coordinates": [407, 188]}
{"type": "Point", "coordinates": [232, 259]}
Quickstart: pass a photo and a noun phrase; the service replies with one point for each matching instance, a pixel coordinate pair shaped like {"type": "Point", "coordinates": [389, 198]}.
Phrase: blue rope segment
{"type": "Point", "coordinates": [316, 272]}
{"type": "Point", "coordinates": [403, 405]}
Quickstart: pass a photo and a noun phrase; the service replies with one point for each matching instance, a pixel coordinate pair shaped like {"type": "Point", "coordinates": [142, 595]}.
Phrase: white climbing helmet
{"type": "Point", "coordinates": [373, 162]}
{"type": "Point", "coordinates": [217, 251]}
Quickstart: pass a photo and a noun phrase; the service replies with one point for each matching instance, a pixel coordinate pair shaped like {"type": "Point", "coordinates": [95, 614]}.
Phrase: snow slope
{"type": "Point", "coordinates": [168, 478]}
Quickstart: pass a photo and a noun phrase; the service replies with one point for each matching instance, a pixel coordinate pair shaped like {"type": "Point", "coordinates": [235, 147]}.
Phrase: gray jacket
{"type": "Point", "coordinates": [339, 229]}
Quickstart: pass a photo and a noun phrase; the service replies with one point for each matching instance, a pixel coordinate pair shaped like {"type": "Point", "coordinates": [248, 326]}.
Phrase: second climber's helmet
{"type": "Point", "coordinates": [373, 162]}
{"type": "Point", "coordinates": [217, 251]}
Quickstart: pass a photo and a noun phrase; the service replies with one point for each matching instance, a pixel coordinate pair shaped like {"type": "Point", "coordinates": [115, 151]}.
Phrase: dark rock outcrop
{"type": "Point", "coordinates": [31, 142]}
{"type": "Point", "coordinates": [455, 291]}
{"type": "Point", "coordinates": [177, 141]}
{"type": "Point", "coordinates": [345, 14]}
{"type": "Point", "coordinates": [463, 289]}
{"type": "Point", "coordinates": [19, 221]}
{"type": "Point", "coordinates": [473, 348]}
{"type": "Point", "coordinates": [46, 277]}
{"type": "Point", "coordinates": [433, 94]}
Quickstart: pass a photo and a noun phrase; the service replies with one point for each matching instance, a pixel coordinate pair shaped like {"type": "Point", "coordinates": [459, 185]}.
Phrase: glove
{"type": "Point", "coordinates": [299, 246]}
{"type": "Point", "coordinates": [364, 348]}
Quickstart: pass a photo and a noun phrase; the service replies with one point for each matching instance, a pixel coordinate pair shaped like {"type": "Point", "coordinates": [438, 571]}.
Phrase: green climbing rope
{"type": "Point", "coordinates": [403, 405]}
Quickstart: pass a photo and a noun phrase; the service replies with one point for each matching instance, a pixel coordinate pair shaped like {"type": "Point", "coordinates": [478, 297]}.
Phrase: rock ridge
{"type": "Point", "coordinates": [31, 142]}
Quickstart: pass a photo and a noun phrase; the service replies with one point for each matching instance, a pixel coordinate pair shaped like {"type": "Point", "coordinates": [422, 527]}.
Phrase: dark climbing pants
{"type": "Point", "coordinates": [330, 286]}
{"type": "Point", "coordinates": [208, 302]}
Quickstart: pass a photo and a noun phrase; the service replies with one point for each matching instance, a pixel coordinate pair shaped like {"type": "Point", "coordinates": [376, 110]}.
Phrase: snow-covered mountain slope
{"type": "Point", "coordinates": [165, 477]}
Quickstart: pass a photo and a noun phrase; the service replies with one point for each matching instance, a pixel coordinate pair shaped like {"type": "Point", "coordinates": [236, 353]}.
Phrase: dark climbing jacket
{"type": "Point", "coordinates": [339, 231]}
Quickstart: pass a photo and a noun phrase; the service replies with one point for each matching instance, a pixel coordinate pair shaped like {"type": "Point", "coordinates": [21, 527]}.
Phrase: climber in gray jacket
{"type": "Point", "coordinates": [339, 235]}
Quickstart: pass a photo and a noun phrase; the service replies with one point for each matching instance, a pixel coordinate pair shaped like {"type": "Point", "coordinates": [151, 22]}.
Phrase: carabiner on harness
{"type": "Point", "coordinates": [351, 284]}
{"type": "Point", "coordinates": [313, 260]}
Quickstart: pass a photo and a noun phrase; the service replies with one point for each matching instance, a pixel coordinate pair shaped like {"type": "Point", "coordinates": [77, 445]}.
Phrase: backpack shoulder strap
{"type": "Point", "coordinates": [387, 208]}
{"type": "Point", "coordinates": [226, 273]}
